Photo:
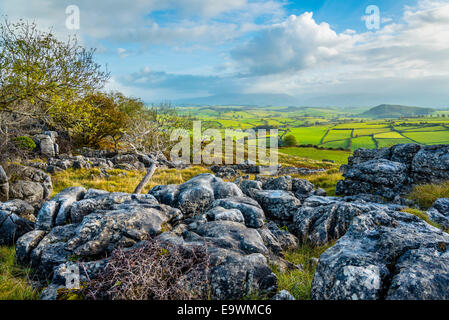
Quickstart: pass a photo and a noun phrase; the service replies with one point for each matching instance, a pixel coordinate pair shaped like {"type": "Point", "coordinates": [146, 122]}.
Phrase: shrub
{"type": "Point", "coordinates": [25, 143]}
{"type": "Point", "coordinates": [290, 141]}
{"type": "Point", "coordinates": [426, 194]}
{"type": "Point", "coordinates": [153, 271]}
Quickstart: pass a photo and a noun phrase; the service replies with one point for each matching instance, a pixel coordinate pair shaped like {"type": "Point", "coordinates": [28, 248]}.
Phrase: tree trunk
{"type": "Point", "coordinates": [146, 179]}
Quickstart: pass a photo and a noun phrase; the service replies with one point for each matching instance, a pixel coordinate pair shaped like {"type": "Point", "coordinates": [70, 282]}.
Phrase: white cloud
{"type": "Point", "coordinates": [296, 44]}
{"type": "Point", "coordinates": [304, 58]}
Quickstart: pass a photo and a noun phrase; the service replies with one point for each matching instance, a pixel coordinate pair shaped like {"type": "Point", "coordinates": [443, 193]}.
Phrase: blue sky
{"type": "Point", "coordinates": [320, 52]}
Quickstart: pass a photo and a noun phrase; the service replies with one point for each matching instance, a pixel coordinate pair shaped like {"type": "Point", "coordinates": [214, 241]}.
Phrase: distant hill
{"type": "Point", "coordinates": [238, 99]}
{"type": "Point", "coordinates": [396, 111]}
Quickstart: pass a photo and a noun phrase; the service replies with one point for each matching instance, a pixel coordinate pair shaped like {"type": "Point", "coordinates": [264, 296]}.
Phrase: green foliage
{"type": "Point", "coordinates": [25, 143]}
{"type": "Point", "coordinates": [290, 141]}
{"type": "Point", "coordinates": [37, 67]}
{"type": "Point", "coordinates": [97, 120]}
{"type": "Point", "coordinates": [14, 279]}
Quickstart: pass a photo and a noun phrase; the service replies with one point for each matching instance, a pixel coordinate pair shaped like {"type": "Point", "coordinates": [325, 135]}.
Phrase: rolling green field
{"type": "Point", "coordinates": [328, 128]}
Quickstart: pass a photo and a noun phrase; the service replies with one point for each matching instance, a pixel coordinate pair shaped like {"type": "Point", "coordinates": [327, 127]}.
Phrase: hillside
{"type": "Point", "coordinates": [396, 111]}
{"type": "Point", "coordinates": [242, 99]}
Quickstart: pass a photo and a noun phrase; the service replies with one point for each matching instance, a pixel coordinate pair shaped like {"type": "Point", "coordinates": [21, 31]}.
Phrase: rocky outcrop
{"type": "Point", "coordinates": [250, 210]}
{"type": "Point", "coordinates": [392, 172]}
{"type": "Point", "coordinates": [439, 212]}
{"type": "Point", "coordinates": [57, 211]}
{"type": "Point", "coordinates": [16, 219]}
{"type": "Point", "coordinates": [80, 228]}
{"type": "Point", "coordinates": [195, 195]}
{"type": "Point", "coordinates": [278, 205]}
{"type": "Point", "coordinates": [383, 254]}
{"type": "Point", "coordinates": [104, 160]}
{"type": "Point", "coordinates": [248, 167]}
{"type": "Point", "coordinates": [321, 220]}
{"type": "Point", "coordinates": [46, 143]}
{"type": "Point", "coordinates": [108, 223]}
{"type": "Point", "coordinates": [238, 263]}
{"type": "Point", "coordinates": [29, 184]}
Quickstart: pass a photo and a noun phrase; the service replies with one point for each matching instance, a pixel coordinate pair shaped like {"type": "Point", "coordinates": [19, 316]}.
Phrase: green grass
{"type": "Point", "coordinates": [386, 143]}
{"type": "Point", "coordinates": [363, 142]}
{"type": "Point", "coordinates": [368, 132]}
{"type": "Point", "coordinates": [14, 279]}
{"type": "Point", "coordinates": [299, 282]}
{"type": "Point", "coordinates": [388, 135]}
{"type": "Point", "coordinates": [338, 135]}
{"type": "Point", "coordinates": [344, 144]}
{"type": "Point", "coordinates": [426, 194]}
{"type": "Point", "coordinates": [431, 137]}
{"type": "Point", "coordinates": [340, 157]}
{"type": "Point", "coordinates": [309, 135]}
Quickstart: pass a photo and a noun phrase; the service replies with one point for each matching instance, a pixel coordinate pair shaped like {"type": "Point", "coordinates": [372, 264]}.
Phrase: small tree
{"type": "Point", "coordinates": [290, 141]}
{"type": "Point", "coordinates": [37, 72]}
{"type": "Point", "coordinates": [36, 67]}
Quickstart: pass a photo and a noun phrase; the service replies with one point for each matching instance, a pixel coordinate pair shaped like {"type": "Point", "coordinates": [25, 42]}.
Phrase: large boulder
{"type": "Point", "coordinates": [384, 254]}
{"type": "Point", "coordinates": [46, 143]}
{"type": "Point", "coordinates": [392, 172]}
{"type": "Point", "coordinates": [251, 211]}
{"type": "Point", "coordinates": [325, 222]}
{"type": "Point", "coordinates": [122, 226]}
{"type": "Point", "coordinates": [29, 184]}
{"type": "Point", "coordinates": [15, 220]}
{"type": "Point", "coordinates": [108, 222]}
{"type": "Point", "coordinates": [57, 210]}
{"type": "Point", "coordinates": [195, 195]}
{"type": "Point", "coordinates": [238, 266]}
{"type": "Point", "coordinates": [277, 240]}
{"type": "Point", "coordinates": [278, 204]}
{"type": "Point", "coordinates": [380, 177]}
{"type": "Point", "coordinates": [431, 164]}
{"type": "Point", "coordinates": [439, 212]}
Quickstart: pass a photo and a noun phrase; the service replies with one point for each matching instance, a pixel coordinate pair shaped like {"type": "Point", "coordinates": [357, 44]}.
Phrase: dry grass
{"type": "Point", "coordinates": [326, 180]}
{"type": "Point", "coordinates": [426, 194]}
{"type": "Point", "coordinates": [120, 180]}
{"type": "Point", "coordinates": [14, 279]}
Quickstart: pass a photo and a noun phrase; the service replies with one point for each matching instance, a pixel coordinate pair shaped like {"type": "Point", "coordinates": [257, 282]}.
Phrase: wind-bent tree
{"type": "Point", "coordinates": [36, 67]}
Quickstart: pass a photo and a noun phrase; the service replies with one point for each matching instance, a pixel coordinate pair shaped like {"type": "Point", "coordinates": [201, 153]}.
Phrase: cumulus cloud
{"type": "Point", "coordinates": [296, 44]}
{"type": "Point", "coordinates": [406, 59]}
